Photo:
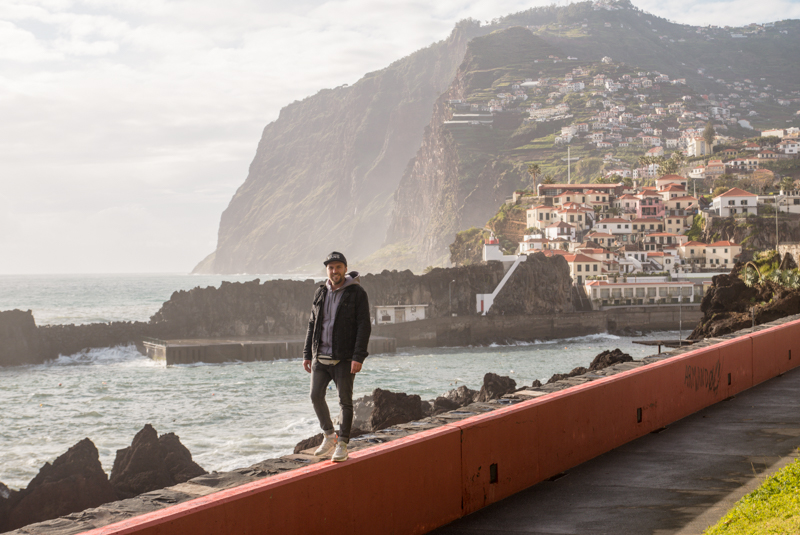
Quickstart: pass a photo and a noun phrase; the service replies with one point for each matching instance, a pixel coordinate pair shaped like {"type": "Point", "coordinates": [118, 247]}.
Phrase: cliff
{"type": "Point", "coordinates": [454, 182]}
{"type": "Point", "coordinates": [325, 171]}
{"type": "Point", "coordinates": [730, 304]}
{"type": "Point", "coordinates": [753, 233]}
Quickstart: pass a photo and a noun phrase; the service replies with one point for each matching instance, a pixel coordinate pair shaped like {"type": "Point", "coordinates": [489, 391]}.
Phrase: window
{"type": "Point", "coordinates": [626, 226]}
{"type": "Point", "coordinates": [678, 205]}
{"type": "Point", "coordinates": [726, 260]}
{"type": "Point", "coordinates": [571, 218]}
{"type": "Point", "coordinates": [651, 292]}
{"type": "Point", "coordinates": [619, 226]}
{"type": "Point", "coordinates": [604, 293]}
{"type": "Point", "coordinates": [541, 217]}
{"type": "Point", "coordinates": [652, 226]}
{"type": "Point", "coordinates": [691, 252]}
{"type": "Point", "coordinates": [595, 267]}
{"type": "Point", "coordinates": [726, 249]}
{"type": "Point", "coordinates": [587, 267]}
{"type": "Point", "coordinates": [663, 292]}
{"type": "Point", "coordinates": [731, 203]}
{"type": "Point", "coordinates": [669, 221]}
{"type": "Point", "coordinates": [578, 266]}
{"type": "Point", "coordinates": [628, 292]}
{"type": "Point", "coordinates": [744, 202]}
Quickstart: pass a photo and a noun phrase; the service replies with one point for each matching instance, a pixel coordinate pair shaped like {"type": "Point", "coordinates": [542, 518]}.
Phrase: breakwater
{"type": "Point", "coordinates": [281, 307]}
{"type": "Point", "coordinates": [483, 330]}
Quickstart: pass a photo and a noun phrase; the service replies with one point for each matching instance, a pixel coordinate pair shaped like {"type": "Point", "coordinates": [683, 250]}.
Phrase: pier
{"type": "Point", "coordinates": [241, 349]}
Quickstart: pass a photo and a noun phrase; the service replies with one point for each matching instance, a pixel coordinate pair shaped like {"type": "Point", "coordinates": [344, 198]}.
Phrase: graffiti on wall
{"type": "Point", "coordinates": [698, 377]}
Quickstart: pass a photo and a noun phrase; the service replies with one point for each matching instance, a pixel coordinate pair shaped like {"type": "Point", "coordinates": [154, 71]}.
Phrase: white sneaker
{"type": "Point", "coordinates": [328, 442]}
{"type": "Point", "coordinates": [340, 454]}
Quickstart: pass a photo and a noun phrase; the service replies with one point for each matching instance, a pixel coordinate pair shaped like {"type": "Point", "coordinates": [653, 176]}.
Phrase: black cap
{"type": "Point", "coordinates": [335, 257]}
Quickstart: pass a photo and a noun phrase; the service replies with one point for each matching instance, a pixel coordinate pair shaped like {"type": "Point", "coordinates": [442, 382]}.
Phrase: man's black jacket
{"type": "Point", "coordinates": [351, 328]}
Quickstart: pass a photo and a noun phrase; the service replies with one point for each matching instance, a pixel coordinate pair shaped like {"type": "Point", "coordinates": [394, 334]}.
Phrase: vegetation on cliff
{"type": "Point", "coordinates": [755, 292]}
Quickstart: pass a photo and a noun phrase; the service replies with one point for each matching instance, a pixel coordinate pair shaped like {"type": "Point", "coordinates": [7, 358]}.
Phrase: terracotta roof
{"type": "Point", "coordinates": [736, 192]}
{"type": "Point", "coordinates": [723, 244]}
{"type": "Point", "coordinates": [579, 258]}
{"type": "Point", "coordinates": [560, 224]}
{"type": "Point", "coordinates": [694, 244]}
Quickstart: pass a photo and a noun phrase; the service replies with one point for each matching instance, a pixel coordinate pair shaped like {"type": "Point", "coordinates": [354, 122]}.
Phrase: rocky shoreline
{"type": "Point", "coordinates": [145, 474]}
{"type": "Point", "coordinates": [75, 481]}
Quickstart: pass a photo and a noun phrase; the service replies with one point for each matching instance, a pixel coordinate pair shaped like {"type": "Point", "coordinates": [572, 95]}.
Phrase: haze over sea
{"type": "Point", "coordinates": [229, 415]}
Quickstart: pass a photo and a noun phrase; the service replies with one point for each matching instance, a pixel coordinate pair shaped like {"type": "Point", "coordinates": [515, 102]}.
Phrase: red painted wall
{"type": "Point", "coordinates": [418, 483]}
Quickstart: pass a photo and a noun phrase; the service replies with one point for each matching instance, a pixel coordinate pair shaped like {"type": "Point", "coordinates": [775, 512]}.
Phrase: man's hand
{"type": "Point", "coordinates": [307, 365]}
{"type": "Point", "coordinates": [355, 367]}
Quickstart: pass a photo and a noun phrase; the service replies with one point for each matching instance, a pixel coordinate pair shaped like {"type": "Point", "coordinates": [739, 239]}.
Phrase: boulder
{"type": "Point", "coordinates": [495, 387]}
{"type": "Point", "coordinates": [152, 462]}
{"type": "Point", "coordinates": [362, 410]}
{"type": "Point", "coordinates": [443, 404]}
{"type": "Point", "coordinates": [788, 262]}
{"type": "Point", "coordinates": [462, 396]}
{"type": "Point", "coordinates": [536, 383]}
{"type": "Point", "coordinates": [392, 408]}
{"type": "Point", "coordinates": [74, 482]}
{"type": "Point", "coordinates": [609, 358]}
{"type": "Point", "coordinates": [575, 371]}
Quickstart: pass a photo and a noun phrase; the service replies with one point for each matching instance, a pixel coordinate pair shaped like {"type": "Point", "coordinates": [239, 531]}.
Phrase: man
{"type": "Point", "coordinates": [335, 348]}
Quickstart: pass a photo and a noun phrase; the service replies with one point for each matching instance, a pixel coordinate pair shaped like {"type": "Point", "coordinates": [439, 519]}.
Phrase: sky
{"type": "Point", "coordinates": [127, 126]}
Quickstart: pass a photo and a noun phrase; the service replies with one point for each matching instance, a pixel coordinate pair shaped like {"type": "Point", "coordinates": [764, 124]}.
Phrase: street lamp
{"type": "Point", "coordinates": [450, 291]}
{"type": "Point", "coordinates": [777, 208]}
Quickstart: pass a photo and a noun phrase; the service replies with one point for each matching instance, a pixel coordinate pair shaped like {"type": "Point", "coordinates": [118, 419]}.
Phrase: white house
{"type": "Point", "coordinates": [735, 201]}
{"type": "Point", "coordinates": [399, 313]}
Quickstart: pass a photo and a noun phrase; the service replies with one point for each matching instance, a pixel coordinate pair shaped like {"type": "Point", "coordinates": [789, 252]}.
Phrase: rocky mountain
{"type": "Point", "coordinates": [374, 170]}
{"type": "Point", "coordinates": [325, 171]}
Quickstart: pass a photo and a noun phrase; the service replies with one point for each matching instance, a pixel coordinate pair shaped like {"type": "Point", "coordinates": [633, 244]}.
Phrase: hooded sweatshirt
{"type": "Point", "coordinates": [329, 314]}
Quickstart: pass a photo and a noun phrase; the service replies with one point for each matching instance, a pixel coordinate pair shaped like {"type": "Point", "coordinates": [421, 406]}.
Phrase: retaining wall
{"type": "Point", "coordinates": [414, 484]}
{"type": "Point", "coordinates": [478, 330]}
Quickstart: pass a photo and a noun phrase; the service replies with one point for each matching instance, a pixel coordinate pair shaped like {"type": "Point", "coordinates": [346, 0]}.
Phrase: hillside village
{"type": "Point", "coordinates": [628, 245]}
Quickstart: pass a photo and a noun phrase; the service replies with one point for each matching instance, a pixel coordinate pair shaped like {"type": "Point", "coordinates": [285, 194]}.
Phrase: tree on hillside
{"type": "Point", "coordinates": [534, 171]}
{"type": "Point", "coordinates": [548, 179]}
{"type": "Point", "coordinates": [709, 133]}
{"type": "Point", "coordinates": [668, 167]}
{"type": "Point", "coordinates": [679, 158]}
{"type": "Point", "coordinates": [787, 183]}
{"type": "Point", "coordinates": [628, 181]}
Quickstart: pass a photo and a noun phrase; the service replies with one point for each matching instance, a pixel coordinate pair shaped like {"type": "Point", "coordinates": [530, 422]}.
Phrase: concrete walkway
{"type": "Point", "coordinates": [679, 480]}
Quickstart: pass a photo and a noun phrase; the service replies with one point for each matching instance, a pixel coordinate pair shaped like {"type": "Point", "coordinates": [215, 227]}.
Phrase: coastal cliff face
{"type": "Point", "coordinates": [753, 233]}
{"type": "Point", "coordinates": [325, 170]}
{"type": "Point", "coordinates": [449, 185]}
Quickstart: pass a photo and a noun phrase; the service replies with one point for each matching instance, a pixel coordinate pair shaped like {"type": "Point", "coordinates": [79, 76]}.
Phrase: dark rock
{"type": "Point", "coordinates": [495, 387]}
{"type": "Point", "coordinates": [74, 482]}
{"type": "Point", "coordinates": [609, 358]}
{"type": "Point", "coordinates": [427, 408]}
{"type": "Point", "coordinates": [788, 262]}
{"type": "Point", "coordinates": [19, 340]}
{"type": "Point", "coordinates": [392, 408]}
{"type": "Point", "coordinates": [462, 395]}
{"type": "Point", "coordinates": [576, 371]}
{"type": "Point", "coordinates": [443, 404]}
{"type": "Point", "coordinates": [536, 383]}
{"type": "Point", "coordinates": [362, 410]}
{"type": "Point", "coordinates": [152, 462]}
{"type": "Point", "coordinates": [316, 440]}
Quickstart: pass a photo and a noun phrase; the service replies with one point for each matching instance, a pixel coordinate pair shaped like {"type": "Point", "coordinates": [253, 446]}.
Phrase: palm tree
{"type": "Point", "coordinates": [548, 179]}
{"type": "Point", "coordinates": [787, 184]}
{"type": "Point", "coordinates": [534, 171]}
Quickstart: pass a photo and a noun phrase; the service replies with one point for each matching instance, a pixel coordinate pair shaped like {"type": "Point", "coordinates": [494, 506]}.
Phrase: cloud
{"type": "Point", "coordinates": [127, 126]}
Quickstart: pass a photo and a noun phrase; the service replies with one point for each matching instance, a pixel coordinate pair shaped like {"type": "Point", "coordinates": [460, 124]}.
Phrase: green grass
{"type": "Point", "coordinates": [774, 507]}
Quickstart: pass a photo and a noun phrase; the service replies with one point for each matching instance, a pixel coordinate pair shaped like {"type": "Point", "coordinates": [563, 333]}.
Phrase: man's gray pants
{"type": "Point", "coordinates": [321, 376]}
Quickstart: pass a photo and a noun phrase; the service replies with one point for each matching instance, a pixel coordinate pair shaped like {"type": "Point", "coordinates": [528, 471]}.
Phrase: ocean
{"type": "Point", "coordinates": [228, 415]}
